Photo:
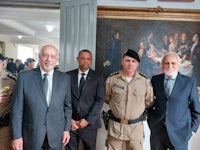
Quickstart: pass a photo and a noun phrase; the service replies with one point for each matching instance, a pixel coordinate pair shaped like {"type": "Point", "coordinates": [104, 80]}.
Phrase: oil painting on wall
{"type": "Point", "coordinates": [151, 39]}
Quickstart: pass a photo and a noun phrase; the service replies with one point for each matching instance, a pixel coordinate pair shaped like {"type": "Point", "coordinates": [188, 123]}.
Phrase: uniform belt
{"type": "Point", "coordinates": [126, 121]}
{"type": "Point", "coordinates": [4, 120]}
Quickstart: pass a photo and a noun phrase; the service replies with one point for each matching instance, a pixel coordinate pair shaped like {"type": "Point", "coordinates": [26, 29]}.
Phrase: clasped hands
{"type": "Point", "coordinates": [78, 124]}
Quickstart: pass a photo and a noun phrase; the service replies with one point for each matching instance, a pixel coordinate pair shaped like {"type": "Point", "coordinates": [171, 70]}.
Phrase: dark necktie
{"type": "Point", "coordinates": [81, 82]}
{"type": "Point", "coordinates": [45, 84]}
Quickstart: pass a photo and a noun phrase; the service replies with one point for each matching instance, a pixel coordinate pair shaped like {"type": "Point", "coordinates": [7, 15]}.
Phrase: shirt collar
{"type": "Point", "coordinates": [86, 72]}
{"type": "Point", "coordinates": [50, 73]}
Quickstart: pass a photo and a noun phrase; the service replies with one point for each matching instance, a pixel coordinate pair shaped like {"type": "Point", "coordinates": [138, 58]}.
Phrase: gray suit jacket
{"type": "Point", "coordinates": [32, 118]}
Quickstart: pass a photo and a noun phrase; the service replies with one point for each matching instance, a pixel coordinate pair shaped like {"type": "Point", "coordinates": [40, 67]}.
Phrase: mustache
{"type": "Point", "coordinates": [48, 63]}
{"type": "Point", "coordinates": [170, 69]}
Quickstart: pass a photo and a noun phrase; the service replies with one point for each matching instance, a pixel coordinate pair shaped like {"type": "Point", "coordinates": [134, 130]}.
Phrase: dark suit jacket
{"type": "Point", "coordinates": [20, 67]}
{"type": "Point", "coordinates": [181, 110]}
{"type": "Point", "coordinates": [11, 67]}
{"type": "Point", "coordinates": [89, 103]}
{"type": "Point", "coordinates": [32, 118]}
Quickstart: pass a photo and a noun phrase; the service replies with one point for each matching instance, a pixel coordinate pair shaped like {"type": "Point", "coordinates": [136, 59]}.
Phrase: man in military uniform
{"type": "Point", "coordinates": [7, 81]}
{"type": "Point", "coordinates": [128, 94]}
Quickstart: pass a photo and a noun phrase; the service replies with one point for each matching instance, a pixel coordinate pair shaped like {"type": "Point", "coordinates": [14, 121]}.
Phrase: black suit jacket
{"type": "Point", "coordinates": [89, 102]}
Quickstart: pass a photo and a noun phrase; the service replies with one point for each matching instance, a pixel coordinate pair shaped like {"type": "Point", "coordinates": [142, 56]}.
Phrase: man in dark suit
{"type": "Point", "coordinates": [175, 116]}
{"type": "Point", "coordinates": [87, 102]}
{"type": "Point", "coordinates": [39, 120]}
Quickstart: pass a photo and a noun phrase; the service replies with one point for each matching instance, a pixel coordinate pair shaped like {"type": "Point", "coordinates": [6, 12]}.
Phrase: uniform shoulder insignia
{"type": "Point", "coordinates": [10, 75]}
{"type": "Point", "coordinates": [142, 74]}
{"type": "Point", "coordinates": [112, 74]}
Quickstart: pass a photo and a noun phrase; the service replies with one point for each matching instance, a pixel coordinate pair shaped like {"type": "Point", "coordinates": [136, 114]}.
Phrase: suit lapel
{"type": "Point", "coordinates": [162, 85]}
{"type": "Point", "coordinates": [87, 81]}
{"type": "Point", "coordinates": [54, 86]}
{"type": "Point", "coordinates": [159, 86]}
{"type": "Point", "coordinates": [74, 82]}
{"type": "Point", "coordinates": [39, 86]}
{"type": "Point", "coordinates": [176, 85]}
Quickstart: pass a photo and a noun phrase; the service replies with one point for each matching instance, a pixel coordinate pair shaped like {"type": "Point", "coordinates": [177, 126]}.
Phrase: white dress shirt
{"type": "Point", "coordinates": [50, 84]}
{"type": "Point", "coordinates": [79, 75]}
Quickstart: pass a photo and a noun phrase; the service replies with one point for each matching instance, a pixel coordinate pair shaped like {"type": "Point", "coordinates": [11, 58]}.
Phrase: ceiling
{"type": "Point", "coordinates": [30, 24]}
{"type": "Point", "coordinates": [28, 18]}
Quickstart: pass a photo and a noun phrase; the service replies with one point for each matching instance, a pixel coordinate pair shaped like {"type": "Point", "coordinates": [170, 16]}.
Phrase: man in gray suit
{"type": "Point", "coordinates": [42, 121]}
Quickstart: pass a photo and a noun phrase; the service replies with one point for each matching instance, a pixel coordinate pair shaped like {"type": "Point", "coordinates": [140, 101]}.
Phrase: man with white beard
{"type": "Point", "coordinates": [175, 115]}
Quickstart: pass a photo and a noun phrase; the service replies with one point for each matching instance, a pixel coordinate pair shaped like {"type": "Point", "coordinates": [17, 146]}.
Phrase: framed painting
{"type": "Point", "coordinates": [151, 32]}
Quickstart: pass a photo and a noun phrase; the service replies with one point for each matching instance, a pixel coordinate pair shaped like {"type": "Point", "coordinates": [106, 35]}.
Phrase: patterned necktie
{"type": "Point", "coordinates": [167, 87]}
{"type": "Point", "coordinates": [81, 82]}
{"type": "Point", "coordinates": [45, 84]}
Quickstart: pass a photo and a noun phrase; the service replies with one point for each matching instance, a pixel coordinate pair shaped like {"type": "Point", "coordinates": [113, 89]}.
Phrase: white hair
{"type": "Point", "coordinates": [171, 53]}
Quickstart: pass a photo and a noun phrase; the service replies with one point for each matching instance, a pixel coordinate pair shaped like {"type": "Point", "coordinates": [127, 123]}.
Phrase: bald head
{"type": "Point", "coordinates": [48, 57]}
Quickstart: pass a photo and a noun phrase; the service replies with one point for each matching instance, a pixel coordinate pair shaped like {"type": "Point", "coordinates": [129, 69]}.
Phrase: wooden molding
{"type": "Point", "coordinates": [157, 13]}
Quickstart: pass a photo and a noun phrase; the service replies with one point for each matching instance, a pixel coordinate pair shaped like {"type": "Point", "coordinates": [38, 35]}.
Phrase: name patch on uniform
{"type": "Point", "coordinates": [119, 86]}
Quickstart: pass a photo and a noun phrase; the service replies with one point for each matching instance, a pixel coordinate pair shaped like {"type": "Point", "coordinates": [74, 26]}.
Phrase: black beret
{"type": "Point", "coordinates": [133, 54]}
{"type": "Point", "coordinates": [2, 57]}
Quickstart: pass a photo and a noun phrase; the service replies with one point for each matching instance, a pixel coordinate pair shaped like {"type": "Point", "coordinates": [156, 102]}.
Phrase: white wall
{"type": "Point", "coordinates": [11, 50]}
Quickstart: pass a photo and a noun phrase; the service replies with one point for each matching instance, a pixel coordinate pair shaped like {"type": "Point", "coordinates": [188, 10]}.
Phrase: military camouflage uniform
{"type": "Point", "coordinates": [7, 81]}
{"type": "Point", "coordinates": [127, 100]}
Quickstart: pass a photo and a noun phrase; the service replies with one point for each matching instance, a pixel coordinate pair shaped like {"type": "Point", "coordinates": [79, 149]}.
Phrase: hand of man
{"type": "Point", "coordinates": [74, 125]}
{"type": "Point", "coordinates": [83, 123]}
{"type": "Point", "coordinates": [66, 137]}
{"type": "Point", "coordinates": [4, 98]}
{"type": "Point", "coordinates": [17, 144]}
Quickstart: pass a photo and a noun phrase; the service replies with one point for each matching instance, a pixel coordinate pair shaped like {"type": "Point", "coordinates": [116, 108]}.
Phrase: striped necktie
{"type": "Point", "coordinates": [167, 87]}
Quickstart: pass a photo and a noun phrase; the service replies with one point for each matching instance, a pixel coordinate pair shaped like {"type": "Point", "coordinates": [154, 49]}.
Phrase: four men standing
{"type": "Point", "coordinates": [42, 120]}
